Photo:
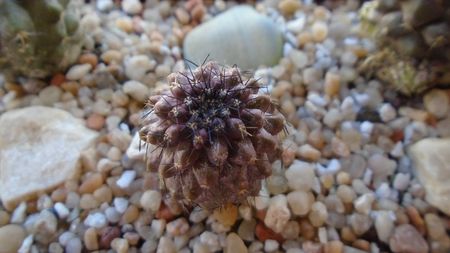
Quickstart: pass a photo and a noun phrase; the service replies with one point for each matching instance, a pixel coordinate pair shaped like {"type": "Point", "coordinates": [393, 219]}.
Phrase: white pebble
{"type": "Point", "coordinates": [151, 200]}
{"type": "Point", "coordinates": [401, 181]}
{"type": "Point", "coordinates": [76, 72]}
{"type": "Point", "coordinates": [65, 237]}
{"type": "Point", "coordinates": [383, 191]}
{"type": "Point", "coordinates": [50, 95]}
{"type": "Point", "coordinates": [300, 202]}
{"type": "Point", "coordinates": [211, 240]}
{"type": "Point", "coordinates": [19, 214]}
{"type": "Point", "coordinates": [112, 215]}
{"type": "Point", "coordinates": [104, 5]}
{"type": "Point", "coordinates": [198, 215]}
{"type": "Point", "coordinates": [126, 178]}
{"type": "Point", "coordinates": [136, 90]}
{"type": "Point", "coordinates": [319, 31]}
{"type": "Point", "coordinates": [96, 220]}
{"type": "Point", "coordinates": [384, 225]}
{"type": "Point", "coordinates": [387, 112]}
{"type": "Point", "coordinates": [157, 227]}
{"type": "Point", "coordinates": [296, 25]}
{"type": "Point", "coordinates": [366, 128]}
{"type": "Point", "coordinates": [299, 58]}
{"type": "Point", "coordinates": [363, 204]}
{"type": "Point", "coordinates": [270, 245]}
{"type": "Point", "coordinates": [437, 103]}
{"type": "Point", "coordinates": [74, 245]}
{"type": "Point", "coordinates": [131, 6]}
{"type": "Point", "coordinates": [61, 210]}
{"type": "Point", "coordinates": [121, 204]}
{"type": "Point", "coordinates": [397, 150]}
{"type": "Point", "coordinates": [300, 175]}
{"type": "Point", "coordinates": [323, 237]}
{"type": "Point", "coordinates": [278, 213]}
{"type": "Point", "coordinates": [332, 168]}
{"type": "Point", "coordinates": [137, 66]}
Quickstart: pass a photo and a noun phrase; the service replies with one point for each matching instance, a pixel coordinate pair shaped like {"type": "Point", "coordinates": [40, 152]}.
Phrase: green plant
{"type": "Point", "coordinates": [213, 135]}
{"type": "Point", "coordinates": [38, 38]}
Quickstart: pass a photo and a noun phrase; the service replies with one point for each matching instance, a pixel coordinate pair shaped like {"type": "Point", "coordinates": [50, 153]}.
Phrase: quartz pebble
{"type": "Point", "coordinates": [278, 213]}
{"type": "Point", "coordinates": [318, 214]}
{"type": "Point", "coordinates": [177, 227]}
{"type": "Point", "coordinates": [76, 72]}
{"type": "Point", "coordinates": [151, 200]}
{"type": "Point", "coordinates": [96, 220]}
{"type": "Point", "coordinates": [90, 239]}
{"type": "Point", "coordinates": [136, 90]}
{"type": "Point", "coordinates": [126, 178]}
{"type": "Point", "coordinates": [300, 202]}
{"type": "Point", "coordinates": [300, 175]}
{"type": "Point", "coordinates": [120, 245]}
{"type": "Point", "coordinates": [437, 103]}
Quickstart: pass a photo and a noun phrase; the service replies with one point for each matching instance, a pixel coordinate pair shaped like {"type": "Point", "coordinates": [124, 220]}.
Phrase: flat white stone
{"type": "Point", "coordinates": [431, 159]}
{"type": "Point", "coordinates": [39, 149]}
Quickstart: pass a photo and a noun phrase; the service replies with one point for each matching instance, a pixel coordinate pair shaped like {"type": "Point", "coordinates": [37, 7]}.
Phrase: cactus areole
{"type": "Point", "coordinates": [212, 136]}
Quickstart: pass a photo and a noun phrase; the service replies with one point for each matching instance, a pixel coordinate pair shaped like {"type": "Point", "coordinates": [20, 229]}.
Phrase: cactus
{"type": "Point", "coordinates": [415, 37]}
{"type": "Point", "coordinates": [212, 136]}
{"type": "Point", "coordinates": [38, 38]}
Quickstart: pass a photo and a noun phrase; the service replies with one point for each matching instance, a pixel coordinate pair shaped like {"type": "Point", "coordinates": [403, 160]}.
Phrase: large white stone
{"type": "Point", "coordinates": [39, 149]}
{"type": "Point", "coordinates": [431, 159]}
{"type": "Point", "coordinates": [238, 36]}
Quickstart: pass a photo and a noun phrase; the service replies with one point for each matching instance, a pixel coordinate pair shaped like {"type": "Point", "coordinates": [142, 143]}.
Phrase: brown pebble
{"type": "Point", "coordinates": [108, 234]}
{"type": "Point", "coordinates": [130, 215]}
{"type": "Point", "coordinates": [71, 86]}
{"type": "Point", "coordinates": [416, 219]}
{"type": "Point", "coordinates": [132, 238]}
{"type": "Point", "coordinates": [89, 58]}
{"type": "Point", "coordinates": [289, 7]}
{"type": "Point", "coordinates": [226, 215]}
{"type": "Point", "coordinates": [103, 194]}
{"type": "Point", "coordinates": [91, 183]}
{"type": "Point", "coordinates": [339, 147]}
{"type": "Point", "coordinates": [307, 230]}
{"type": "Point", "coordinates": [333, 247]}
{"type": "Point", "coordinates": [264, 233]}
{"type": "Point", "coordinates": [59, 195]}
{"type": "Point", "coordinates": [361, 244]}
{"type": "Point", "coordinates": [347, 234]}
{"type": "Point", "coordinates": [198, 12]}
{"type": "Point", "coordinates": [90, 239]}
{"type": "Point", "coordinates": [332, 84]}
{"type": "Point", "coordinates": [57, 79]}
{"type": "Point", "coordinates": [95, 121]}
{"type": "Point", "coordinates": [4, 218]}
{"type": "Point", "coordinates": [164, 213]}
{"type": "Point", "coordinates": [182, 15]}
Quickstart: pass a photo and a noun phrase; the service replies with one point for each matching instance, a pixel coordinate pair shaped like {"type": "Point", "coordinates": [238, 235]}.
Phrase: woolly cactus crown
{"type": "Point", "coordinates": [213, 136]}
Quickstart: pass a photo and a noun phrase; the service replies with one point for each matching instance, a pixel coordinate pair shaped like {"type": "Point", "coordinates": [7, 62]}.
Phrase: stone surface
{"type": "Point", "coordinates": [431, 158]}
{"type": "Point", "coordinates": [407, 239]}
{"type": "Point", "coordinates": [227, 40]}
{"type": "Point", "coordinates": [11, 237]}
{"type": "Point", "coordinates": [40, 149]}
{"type": "Point", "coordinates": [235, 244]}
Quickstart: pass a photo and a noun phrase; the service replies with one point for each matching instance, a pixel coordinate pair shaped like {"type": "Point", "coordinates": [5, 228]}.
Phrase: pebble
{"type": "Point", "coordinates": [107, 235]}
{"type": "Point", "coordinates": [401, 181]}
{"type": "Point", "coordinates": [360, 223]}
{"type": "Point", "coordinates": [271, 245]}
{"type": "Point", "coordinates": [76, 72]}
{"type": "Point", "coordinates": [384, 225]}
{"type": "Point", "coordinates": [407, 239]}
{"type": "Point", "coordinates": [300, 175]}
{"type": "Point", "coordinates": [318, 214]}
{"type": "Point", "coordinates": [234, 244]}
{"type": "Point", "coordinates": [104, 5]}
{"type": "Point", "coordinates": [96, 220]}
{"type": "Point", "coordinates": [346, 193]}
{"type": "Point", "coordinates": [4, 218]}
{"type": "Point", "coordinates": [137, 66]}
{"type": "Point", "coordinates": [121, 204]}
{"type": "Point", "coordinates": [246, 230]}
{"type": "Point", "coordinates": [61, 210]}
{"type": "Point", "coordinates": [291, 230]}
{"type": "Point", "coordinates": [309, 153]}
{"type": "Point", "coordinates": [436, 102]}
{"type": "Point", "coordinates": [74, 245]}
{"type": "Point", "coordinates": [299, 58]}
{"type": "Point", "coordinates": [319, 31]}
{"type": "Point", "coordinates": [132, 6]}
{"type": "Point", "coordinates": [90, 239]}
{"type": "Point", "coordinates": [19, 214]}
{"type": "Point", "coordinates": [11, 238]}
{"type": "Point", "coordinates": [278, 213]}
{"type": "Point", "coordinates": [151, 200]}
{"type": "Point", "coordinates": [381, 166]}
{"type": "Point", "coordinates": [332, 84]}
{"type": "Point", "coordinates": [136, 90]}
{"type": "Point", "coordinates": [363, 204]}
{"type": "Point", "coordinates": [435, 226]}
{"type": "Point", "coordinates": [387, 112]}
{"type": "Point", "coordinates": [120, 245]}
{"type": "Point", "coordinates": [91, 183]}
{"type": "Point", "coordinates": [289, 7]}
{"type": "Point", "coordinates": [126, 178]}
{"type": "Point", "coordinates": [95, 121]}
{"type": "Point", "coordinates": [211, 240]}
{"type": "Point", "coordinates": [50, 95]}
{"type": "Point", "coordinates": [177, 227]}
{"type": "Point", "coordinates": [300, 202]}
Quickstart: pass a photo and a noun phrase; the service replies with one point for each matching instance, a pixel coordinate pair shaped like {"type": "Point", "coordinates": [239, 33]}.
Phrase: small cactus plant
{"type": "Point", "coordinates": [38, 38]}
{"type": "Point", "coordinates": [213, 135]}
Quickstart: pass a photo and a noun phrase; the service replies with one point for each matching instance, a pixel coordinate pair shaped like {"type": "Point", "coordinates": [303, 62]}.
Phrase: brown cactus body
{"type": "Point", "coordinates": [212, 136]}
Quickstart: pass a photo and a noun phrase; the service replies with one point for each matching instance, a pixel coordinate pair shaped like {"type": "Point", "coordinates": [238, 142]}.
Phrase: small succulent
{"type": "Point", "coordinates": [38, 38]}
{"type": "Point", "coordinates": [212, 136]}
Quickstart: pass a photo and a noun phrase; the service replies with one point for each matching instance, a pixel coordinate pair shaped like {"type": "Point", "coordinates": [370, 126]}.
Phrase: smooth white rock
{"type": "Point", "coordinates": [126, 178]}
{"type": "Point", "coordinates": [40, 149]}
